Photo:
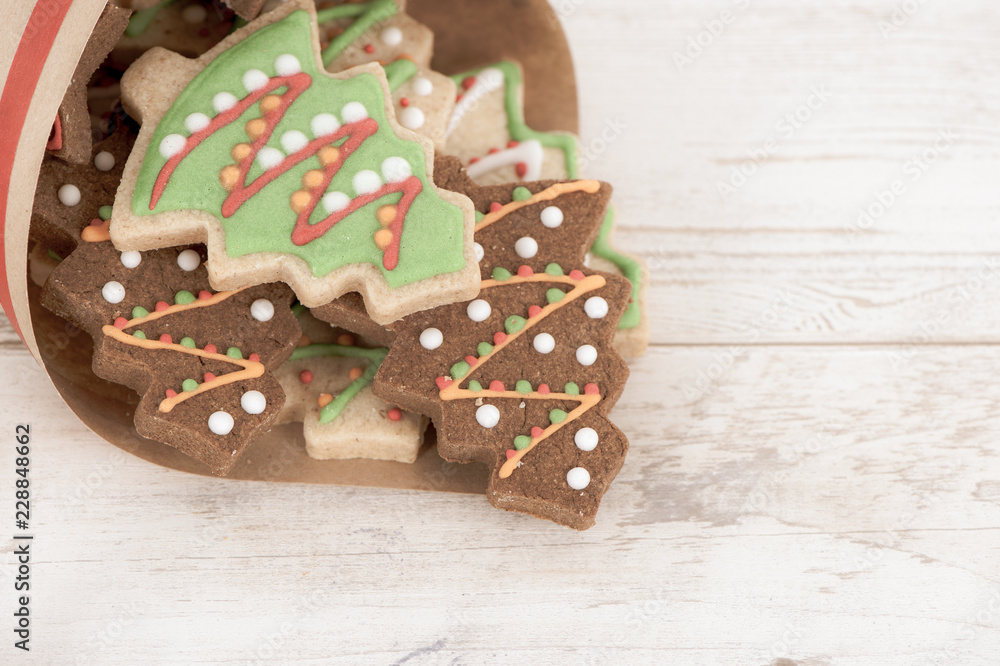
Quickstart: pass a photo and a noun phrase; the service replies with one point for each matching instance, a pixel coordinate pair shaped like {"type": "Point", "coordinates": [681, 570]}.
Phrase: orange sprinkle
{"type": "Point", "coordinates": [328, 155]}
{"type": "Point", "coordinates": [385, 215]}
{"type": "Point", "coordinates": [229, 176]}
{"type": "Point", "coordinates": [255, 127]}
{"type": "Point", "coordinates": [312, 178]}
{"type": "Point", "coordinates": [383, 239]}
{"type": "Point", "coordinates": [346, 340]}
{"type": "Point", "coordinates": [324, 399]}
{"type": "Point", "coordinates": [304, 341]}
{"type": "Point", "coordinates": [355, 373]}
{"type": "Point", "coordinates": [300, 201]}
{"type": "Point", "coordinates": [270, 103]}
{"type": "Point", "coordinates": [240, 151]}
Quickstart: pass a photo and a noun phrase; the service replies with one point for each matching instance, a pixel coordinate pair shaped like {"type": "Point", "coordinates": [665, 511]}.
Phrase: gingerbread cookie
{"type": "Point", "coordinates": [290, 174]}
{"type": "Point", "coordinates": [187, 27]}
{"type": "Point", "coordinates": [327, 384]}
{"type": "Point", "coordinates": [522, 377]}
{"type": "Point", "coordinates": [355, 33]}
{"type": "Point", "coordinates": [201, 360]}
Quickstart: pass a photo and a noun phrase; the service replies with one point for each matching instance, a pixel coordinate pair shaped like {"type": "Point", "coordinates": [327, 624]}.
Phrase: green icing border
{"type": "Point", "coordinates": [370, 14]}
{"type": "Point", "coordinates": [399, 71]}
{"type": "Point", "coordinates": [629, 267]}
{"type": "Point", "coordinates": [142, 19]}
{"type": "Point", "coordinates": [375, 357]}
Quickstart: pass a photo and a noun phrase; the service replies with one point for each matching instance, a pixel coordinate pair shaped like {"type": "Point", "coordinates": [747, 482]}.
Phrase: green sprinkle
{"type": "Point", "coordinates": [521, 194]}
{"type": "Point", "coordinates": [184, 297]}
{"type": "Point", "coordinates": [187, 342]}
{"type": "Point", "coordinates": [233, 352]}
{"type": "Point", "coordinates": [139, 334]}
{"type": "Point", "coordinates": [501, 274]}
{"type": "Point", "coordinates": [554, 269]}
{"type": "Point", "coordinates": [459, 370]}
{"type": "Point", "coordinates": [571, 389]}
{"type": "Point", "coordinates": [514, 324]}
{"type": "Point", "coordinates": [484, 348]}
{"type": "Point", "coordinates": [104, 212]}
{"type": "Point", "coordinates": [521, 442]}
{"type": "Point", "coordinates": [189, 385]}
{"type": "Point", "coordinates": [138, 311]}
{"type": "Point", "coordinates": [479, 217]}
{"type": "Point", "coordinates": [523, 386]}
{"type": "Point", "coordinates": [554, 295]}
{"type": "Point", "coordinates": [475, 386]}
{"type": "Point", "coordinates": [557, 416]}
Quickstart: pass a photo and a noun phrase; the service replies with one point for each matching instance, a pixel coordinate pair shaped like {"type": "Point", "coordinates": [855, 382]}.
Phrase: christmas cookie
{"type": "Point", "coordinates": [355, 33]}
{"type": "Point", "coordinates": [522, 377]}
{"type": "Point", "coordinates": [488, 133]}
{"type": "Point", "coordinates": [327, 384]}
{"type": "Point", "coordinates": [201, 359]}
{"type": "Point", "coordinates": [187, 27]}
{"type": "Point", "coordinates": [290, 174]}
{"type": "Point", "coordinates": [71, 138]}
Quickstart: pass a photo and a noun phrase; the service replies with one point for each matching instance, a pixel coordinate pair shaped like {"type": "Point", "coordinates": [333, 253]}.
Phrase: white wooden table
{"type": "Point", "coordinates": [815, 466]}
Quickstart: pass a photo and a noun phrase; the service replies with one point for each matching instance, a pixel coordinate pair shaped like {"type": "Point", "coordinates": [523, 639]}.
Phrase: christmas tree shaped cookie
{"type": "Point", "coordinates": [522, 377]}
{"type": "Point", "coordinates": [201, 359]}
{"type": "Point", "coordinates": [290, 174]}
{"type": "Point", "coordinates": [327, 384]}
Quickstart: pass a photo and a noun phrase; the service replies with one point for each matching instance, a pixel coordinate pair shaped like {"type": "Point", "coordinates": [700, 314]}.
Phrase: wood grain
{"type": "Point", "coordinates": [813, 471]}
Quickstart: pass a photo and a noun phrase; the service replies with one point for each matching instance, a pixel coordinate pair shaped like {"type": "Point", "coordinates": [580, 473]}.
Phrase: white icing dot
{"type": "Point", "coordinates": [480, 252]}
{"type": "Point", "coordinates": [526, 247]}
{"type": "Point", "coordinates": [323, 124]}
{"type": "Point", "coordinates": [254, 79]}
{"type": "Point", "coordinates": [586, 439]}
{"type": "Point", "coordinates": [552, 216]}
{"type": "Point", "coordinates": [221, 423]}
{"type": "Point", "coordinates": [253, 402]}
{"type": "Point", "coordinates": [69, 195]}
{"type": "Point", "coordinates": [354, 112]}
{"type": "Point", "coordinates": [431, 338]}
{"type": "Point", "coordinates": [422, 86]}
{"type": "Point", "coordinates": [188, 260]}
{"type": "Point", "coordinates": [596, 307]}
{"type": "Point", "coordinates": [131, 259]}
{"type": "Point", "coordinates": [113, 292]}
{"type": "Point", "coordinates": [262, 309]}
{"type": "Point", "coordinates": [395, 170]}
{"type": "Point", "coordinates": [223, 101]}
{"type": "Point", "coordinates": [171, 145]}
{"type": "Point", "coordinates": [544, 343]}
{"type": "Point", "coordinates": [488, 416]}
{"type": "Point", "coordinates": [287, 64]}
{"type": "Point", "coordinates": [479, 310]}
{"type": "Point", "coordinates": [194, 14]}
{"type": "Point", "coordinates": [293, 141]}
{"type": "Point", "coordinates": [196, 122]}
{"type": "Point", "coordinates": [104, 161]}
{"type": "Point", "coordinates": [586, 355]}
{"type": "Point", "coordinates": [269, 157]}
{"type": "Point", "coordinates": [392, 36]}
{"type": "Point", "coordinates": [366, 182]}
{"type": "Point", "coordinates": [412, 118]}
{"type": "Point", "coordinates": [334, 201]}
{"type": "Point", "coordinates": [578, 478]}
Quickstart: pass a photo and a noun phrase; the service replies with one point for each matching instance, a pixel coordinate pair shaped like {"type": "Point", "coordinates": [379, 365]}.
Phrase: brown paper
{"type": "Point", "coordinates": [469, 34]}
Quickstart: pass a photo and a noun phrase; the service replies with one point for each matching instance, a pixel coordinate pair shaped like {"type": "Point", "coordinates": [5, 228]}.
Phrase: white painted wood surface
{"type": "Point", "coordinates": [815, 468]}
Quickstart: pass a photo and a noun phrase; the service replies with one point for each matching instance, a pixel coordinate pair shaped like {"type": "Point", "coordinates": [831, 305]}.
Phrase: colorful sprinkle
{"type": "Point", "coordinates": [395, 414]}
{"type": "Point", "coordinates": [557, 416]}
{"type": "Point", "coordinates": [184, 298]}
{"type": "Point", "coordinates": [514, 324]}
{"type": "Point", "coordinates": [189, 385]}
{"type": "Point", "coordinates": [521, 442]}
{"type": "Point", "coordinates": [187, 342]}
{"type": "Point", "coordinates": [306, 376]}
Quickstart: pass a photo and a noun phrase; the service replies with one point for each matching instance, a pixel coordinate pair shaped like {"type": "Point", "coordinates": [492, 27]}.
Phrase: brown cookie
{"type": "Point", "coordinates": [188, 27]}
{"type": "Point", "coordinates": [201, 360]}
{"type": "Point", "coordinates": [522, 377]}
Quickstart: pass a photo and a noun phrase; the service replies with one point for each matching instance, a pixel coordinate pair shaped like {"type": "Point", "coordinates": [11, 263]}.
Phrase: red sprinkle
{"type": "Point", "coordinates": [254, 358]}
{"type": "Point", "coordinates": [521, 169]}
{"type": "Point", "coordinates": [513, 144]}
{"type": "Point", "coordinates": [442, 383]}
{"type": "Point", "coordinates": [473, 160]}
{"type": "Point", "coordinates": [576, 275]}
{"type": "Point", "coordinates": [369, 48]}
{"type": "Point", "coordinates": [96, 222]}
{"type": "Point", "coordinates": [536, 432]}
{"type": "Point", "coordinates": [395, 414]}
{"type": "Point", "coordinates": [468, 82]}
{"type": "Point", "coordinates": [471, 360]}
{"type": "Point", "coordinates": [499, 338]}
{"type": "Point", "coordinates": [211, 349]}
{"type": "Point", "coordinates": [458, 98]}
{"type": "Point", "coordinates": [534, 311]}
{"type": "Point", "coordinates": [591, 389]}
{"type": "Point", "coordinates": [204, 295]}
{"type": "Point", "coordinates": [495, 206]}
{"type": "Point", "coordinates": [494, 151]}
{"type": "Point", "coordinates": [544, 389]}
{"type": "Point", "coordinates": [171, 393]}
{"type": "Point", "coordinates": [306, 376]}
{"type": "Point", "coordinates": [497, 385]}
{"type": "Point", "coordinates": [161, 306]}
{"type": "Point", "coordinates": [121, 322]}
{"type": "Point", "coordinates": [524, 271]}
{"type": "Point", "coordinates": [511, 453]}
{"type": "Point", "coordinates": [404, 102]}
{"type": "Point", "coordinates": [209, 377]}
{"type": "Point", "coordinates": [166, 339]}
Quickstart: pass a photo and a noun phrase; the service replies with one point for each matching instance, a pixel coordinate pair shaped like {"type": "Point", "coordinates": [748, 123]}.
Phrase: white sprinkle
{"type": "Point", "coordinates": [194, 14]}
{"type": "Point", "coordinates": [422, 86]}
{"type": "Point", "coordinates": [412, 118]}
{"type": "Point", "coordinates": [196, 122]}
{"type": "Point", "coordinates": [287, 64]}
{"type": "Point", "coordinates": [188, 260]}
{"type": "Point", "coordinates": [366, 182]}
{"type": "Point", "coordinates": [586, 355]}
{"type": "Point", "coordinates": [253, 402]}
{"type": "Point", "coordinates": [578, 478]}
{"type": "Point", "coordinates": [131, 259]}
{"type": "Point", "coordinates": [431, 338]}
{"type": "Point", "coordinates": [262, 309]}
{"type": "Point", "coordinates": [113, 292]}
{"type": "Point", "coordinates": [354, 112]}
{"type": "Point", "coordinates": [526, 247]}
{"type": "Point", "coordinates": [488, 416]}
{"type": "Point", "coordinates": [392, 36]}
{"type": "Point", "coordinates": [104, 161]}
{"type": "Point", "coordinates": [552, 216]}
{"type": "Point", "coordinates": [293, 141]}
{"type": "Point", "coordinates": [223, 101]}
{"type": "Point", "coordinates": [69, 195]}
{"type": "Point", "coordinates": [221, 423]}
{"type": "Point", "coordinates": [544, 343]}
{"type": "Point", "coordinates": [335, 201]}
{"type": "Point", "coordinates": [254, 79]}
{"type": "Point", "coordinates": [479, 310]}
{"type": "Point", "coordinates": [395, 170]}
{"type": "Point", "coordinates": [269, 157]}
{"type": "Point", "coordinates": [596, 307]}
{"type": "Point", "coordinates": [171, 145]}
{"type": "Point", "coordinates": [586, 439]}
{"type": "Point", "coordinates": [480, 252]}
{"type": "Point", "coordinates": [323, 124]}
